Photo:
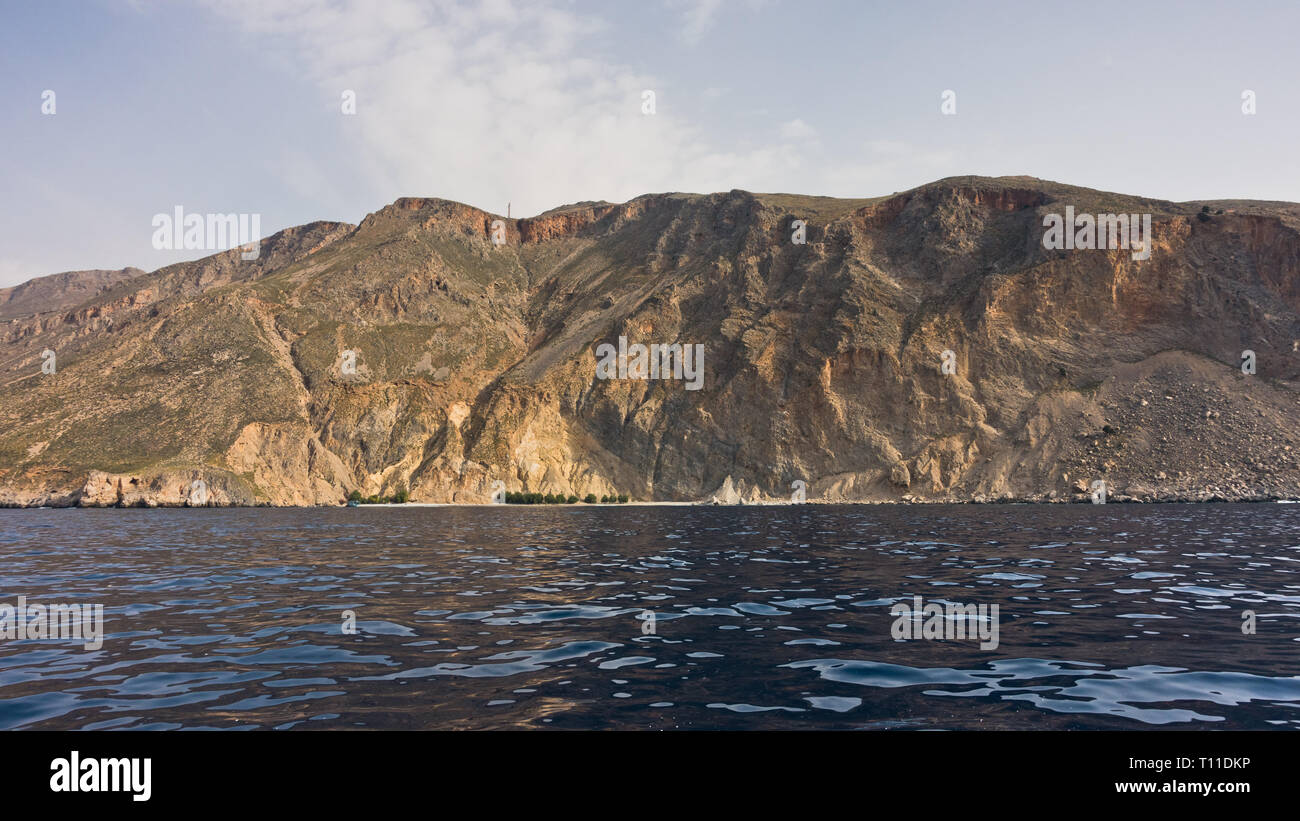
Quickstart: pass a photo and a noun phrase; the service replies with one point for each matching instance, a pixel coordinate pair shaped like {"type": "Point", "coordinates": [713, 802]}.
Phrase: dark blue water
{"type": "Point", "coordinates": [1111, 616]}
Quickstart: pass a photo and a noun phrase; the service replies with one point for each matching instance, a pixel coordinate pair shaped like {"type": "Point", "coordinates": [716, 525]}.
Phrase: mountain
{"type": "Point", "coordinates": [410, 351]}
{"type": "Point", "coordinates": [59, 291]}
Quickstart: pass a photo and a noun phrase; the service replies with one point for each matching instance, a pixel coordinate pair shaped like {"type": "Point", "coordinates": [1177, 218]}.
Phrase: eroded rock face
{"type": "Point", "coordinates": [410, 352]}
{"type": "Point", "coordinates": [165, 489]}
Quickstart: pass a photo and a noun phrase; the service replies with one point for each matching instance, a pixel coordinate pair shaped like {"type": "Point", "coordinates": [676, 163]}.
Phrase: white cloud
{"type": "Point", "coordinates": [489, 103]}
{"type": "Point", "coordinates": [503, 102]}
{"type": "Point", "coordinates": [698, 18]}
{"type": "Point", "coordinates": [797, 130]}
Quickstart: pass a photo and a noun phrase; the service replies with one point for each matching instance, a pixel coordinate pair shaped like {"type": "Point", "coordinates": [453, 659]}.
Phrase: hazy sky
{"type": "Point", "coordinates": [235, 106]}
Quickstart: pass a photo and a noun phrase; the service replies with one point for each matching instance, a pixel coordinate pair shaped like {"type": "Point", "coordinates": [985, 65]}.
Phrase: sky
{"type": "Point", "coordinates": [238, 106]}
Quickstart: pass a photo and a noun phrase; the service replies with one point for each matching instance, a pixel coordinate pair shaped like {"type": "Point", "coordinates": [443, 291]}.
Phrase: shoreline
{"type": "Point", "coordinates": [763, 504]}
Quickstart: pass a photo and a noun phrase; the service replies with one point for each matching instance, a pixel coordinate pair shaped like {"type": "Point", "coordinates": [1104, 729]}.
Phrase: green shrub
{"type": "Point", "coordinates": [589, 499]}
{"type": "Point", "coordinates": [354, 496]}
{"type": "Point", "coordinates": [622, 498]}
{"type": "Point", "coordinates": [572, 500]}
{"type": "Point", "coordinates": [401, 497]}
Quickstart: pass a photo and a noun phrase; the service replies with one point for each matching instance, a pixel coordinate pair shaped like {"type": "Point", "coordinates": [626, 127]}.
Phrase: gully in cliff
{"type": "Point", "coordinates": [656, 361]}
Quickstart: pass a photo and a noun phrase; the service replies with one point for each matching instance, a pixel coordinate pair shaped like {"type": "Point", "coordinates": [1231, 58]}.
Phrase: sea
{"type": "Point", "coordinates": [631, 617]}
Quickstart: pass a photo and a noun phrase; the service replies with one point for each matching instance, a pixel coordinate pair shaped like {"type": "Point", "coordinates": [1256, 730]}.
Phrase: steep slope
{"type": "Point", "coordinates": [411, 351]}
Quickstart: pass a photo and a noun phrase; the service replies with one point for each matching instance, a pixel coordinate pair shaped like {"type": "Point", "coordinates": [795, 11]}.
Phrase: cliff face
{"type": "Point", "coordinates": [410, 351]}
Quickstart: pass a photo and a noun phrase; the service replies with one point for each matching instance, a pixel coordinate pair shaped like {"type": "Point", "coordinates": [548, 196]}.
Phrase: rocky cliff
{"type": "Point", "coordinates": [411, 351]}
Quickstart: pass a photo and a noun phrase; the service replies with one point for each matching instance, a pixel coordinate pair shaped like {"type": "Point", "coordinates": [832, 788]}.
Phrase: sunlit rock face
{"type": "Point", "coordinates": [922, 346]}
